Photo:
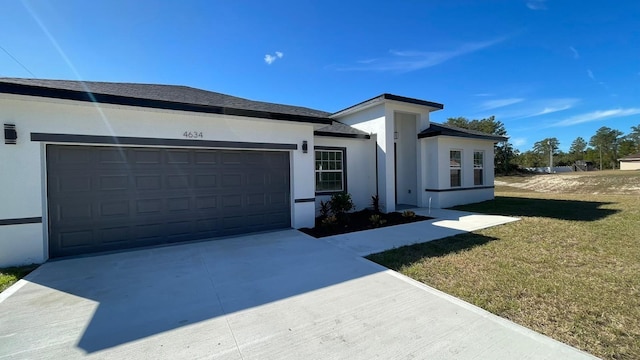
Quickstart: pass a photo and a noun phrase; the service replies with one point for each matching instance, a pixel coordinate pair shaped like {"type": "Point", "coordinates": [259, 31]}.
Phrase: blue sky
{"type": "Point", "coordinates": [543, 68]}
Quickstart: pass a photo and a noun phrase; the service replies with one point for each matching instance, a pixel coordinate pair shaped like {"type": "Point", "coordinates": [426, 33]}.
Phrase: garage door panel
{"type": "Point", "coordinates": [254, 200]}
{"type": "Point", "coordinates": [113, 182]}
{"type": "Point", "coordinates": [206, 202]}
{"type": "Point", "coordinates": [232, 180]}
{"type": "Point", "coordinates": [179, 204]}
{"type": "Point", "coordinates": [107, 198]}
{"type": "Point", "coordinates": [178, 156]}
{"type": "Point", "coordinates": [148, 182]}
{"type": "Point", "coordinates": [73, 239]}
{"type": "Point", "coordinates": [231, 157]}
{"type": "Point", "coordinates": [72, 184]}
{"type": "Point", "coordinates": [205, 157]}
{"type": "Point", "coordinates": [116, 235]}
{"type": "Point", "coordinates": [115, 208]}
{"type": "Point", "coordinates": [231, 201]}
{"type": "Point", "coordinates": [205, 181]}
{"type": "Point", "coordinates": [146, 156]}
{"type": "Point", "coordinates": [178, 182]}
{"type": "Point", "coordinates": [109, 155]}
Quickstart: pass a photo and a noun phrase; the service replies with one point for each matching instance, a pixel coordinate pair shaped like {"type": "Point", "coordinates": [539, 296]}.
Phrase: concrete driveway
{"type": "Point", "coordinates": [279, 295]}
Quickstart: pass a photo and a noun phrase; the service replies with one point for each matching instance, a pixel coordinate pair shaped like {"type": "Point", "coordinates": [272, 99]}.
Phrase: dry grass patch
{"type": "Point", "coordinates": [569, 269]}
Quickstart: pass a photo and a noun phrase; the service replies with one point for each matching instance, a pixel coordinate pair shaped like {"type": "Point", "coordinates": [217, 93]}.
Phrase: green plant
{"type": "Point", "coordinates": [377, 220]}
{"type": "Point", "coordinates": [408, 214]}
{"type": "Point", "coordinates": [341, 203]}
{"type": "Point", "coordinates": [325, 209]}
{"type": "Point", "coordinates": [329, 221]}
{"type": "Point", "coordinates": [375, 203]}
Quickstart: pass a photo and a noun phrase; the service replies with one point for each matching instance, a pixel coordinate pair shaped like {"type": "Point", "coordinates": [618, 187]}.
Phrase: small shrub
{"type": "Point", "coordinates": [377, 220]}
{"type": "Point", "coordinates": [408, 214]}
{"type": "Point", "coordinates": [375, 203]}
{"type": "Point", "coordinates": [329, 221]}
{"type": "Point", "coordinates": [324, 209]}
{"type": "Point", "coordinates": [341, 203]}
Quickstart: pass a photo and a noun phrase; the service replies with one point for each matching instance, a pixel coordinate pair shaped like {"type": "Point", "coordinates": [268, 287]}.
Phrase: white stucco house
{"type": "Point", "coordinates": [630, 162]}
{"type": "Point", "coordinates": [90, 167]}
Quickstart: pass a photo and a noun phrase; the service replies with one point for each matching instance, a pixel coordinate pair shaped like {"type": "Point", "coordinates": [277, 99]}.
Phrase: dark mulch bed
{"type": "Point", "coordinates": [358, 221]}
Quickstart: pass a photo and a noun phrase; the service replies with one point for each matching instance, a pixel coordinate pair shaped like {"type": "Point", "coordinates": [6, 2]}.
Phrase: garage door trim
{"type": "Point", "coordinates": [127, 140]}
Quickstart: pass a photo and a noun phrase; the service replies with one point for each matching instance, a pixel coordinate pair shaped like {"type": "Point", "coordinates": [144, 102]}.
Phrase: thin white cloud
{"type": "Point", "coordinates": [590, 74]}
{"type": "Point", "coordinates": [269, 59]}
{"type": "Point", "coordinates": [518, 141]}
{"type": "Point", "coordinates": [498, 103]}
{"type": "Point", "coordinates": [537, 4]}
{"type": "Point", "coordinates": [597, 115]}
{"type": "Point", "coordinates": [405, 61]}
{"type": "Point", "coordinates": [550, 106]}
{"type": "Point", "coordinates": [576, 54]}
{"type": "Point", "coordinates": [483, 94]}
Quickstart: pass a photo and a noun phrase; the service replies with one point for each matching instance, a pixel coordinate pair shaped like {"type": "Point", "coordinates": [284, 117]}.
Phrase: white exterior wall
{"type": "Point", "coordinates": [467, 193]}
{"type": "Point", "coordinates": [630, 165]}
{"type": "Point", "coordinates": [374, 120]}
{"type": "Point", "coordinates": [381, 120]}
{"type": "Point", "coordinates": [23, 169]}
{"type": "Point", "coordinates": [360, 166]}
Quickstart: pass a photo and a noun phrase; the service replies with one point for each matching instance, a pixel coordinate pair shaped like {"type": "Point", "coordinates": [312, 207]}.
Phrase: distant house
{"type": "Point", "coordinates": [630, 162]}
{"type": "Point", "coordinates": [90, 167]}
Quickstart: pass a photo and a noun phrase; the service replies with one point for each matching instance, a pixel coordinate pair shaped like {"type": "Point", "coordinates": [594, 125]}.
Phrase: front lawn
{"type": "Point", "coordinates": [570, 269]}
{"type": "Point", "coordinates": [9, 276]}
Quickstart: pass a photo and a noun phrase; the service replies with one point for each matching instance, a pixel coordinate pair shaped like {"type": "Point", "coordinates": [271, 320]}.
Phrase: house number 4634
{"type": "Point", "coordinates": [193, 134]}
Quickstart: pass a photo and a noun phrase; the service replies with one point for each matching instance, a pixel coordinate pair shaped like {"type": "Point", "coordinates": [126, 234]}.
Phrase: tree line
{"type": "Point", "coordinates": [603, 149]}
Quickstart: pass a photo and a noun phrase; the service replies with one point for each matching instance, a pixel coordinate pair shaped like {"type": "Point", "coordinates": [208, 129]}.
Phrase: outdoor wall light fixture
{"type": "Point", "coordinates": [305, 147]}
{"type": "Point", "coordinates": [10, 134]}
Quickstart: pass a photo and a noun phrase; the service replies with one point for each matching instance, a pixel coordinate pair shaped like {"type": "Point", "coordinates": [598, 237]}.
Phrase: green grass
{"type": "Point", "coordinates": [9, 276]}
{"type": "Point", "coordinates": [569, 269]}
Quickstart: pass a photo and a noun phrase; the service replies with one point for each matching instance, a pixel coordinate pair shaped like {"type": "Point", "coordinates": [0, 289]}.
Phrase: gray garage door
{"type": "Point", "coordinates": [103, 198]}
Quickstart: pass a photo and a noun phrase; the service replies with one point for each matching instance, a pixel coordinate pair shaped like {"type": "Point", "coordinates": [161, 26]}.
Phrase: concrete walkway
{"type": "Point", "coordinates": [279, 295]}
{"type": "Point", "coordinates": [445, 223]}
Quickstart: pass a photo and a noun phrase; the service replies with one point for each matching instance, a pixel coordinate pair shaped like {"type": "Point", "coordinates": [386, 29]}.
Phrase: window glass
{"type": "Point", "coordinates": [329, 171]}
{"type": "Point", "coordinates": [455, 168]}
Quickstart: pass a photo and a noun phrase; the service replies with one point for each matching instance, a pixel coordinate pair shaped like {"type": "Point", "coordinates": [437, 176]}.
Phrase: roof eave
{"type": "Point", "coordinates": [495, 139]}
{"type": "Point", "coordinates": [64, 94]}
{"type": "Point", "coordinates": [341, 135]}
{"type": "Point", "coordinates": [385, 98]}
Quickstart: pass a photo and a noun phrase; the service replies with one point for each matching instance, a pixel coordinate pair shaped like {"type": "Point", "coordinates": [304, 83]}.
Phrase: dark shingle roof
{"type": "Point", "coordinates": [338, 129]}
{"type": "Point", "coordinates": [631, 157]}
{"type": "Point", "coordinates": [436, 129]}
{"type": "Point", "coordinates": [160, 96]}
{"type": "Point", "coordinates": [399, 98]}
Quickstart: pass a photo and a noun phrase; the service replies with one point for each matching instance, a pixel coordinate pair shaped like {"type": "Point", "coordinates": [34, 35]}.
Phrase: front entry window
{"type": "Point", "coordinates": [329, 170]}
{"type": "Point", "coordinates": [455, 167]}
